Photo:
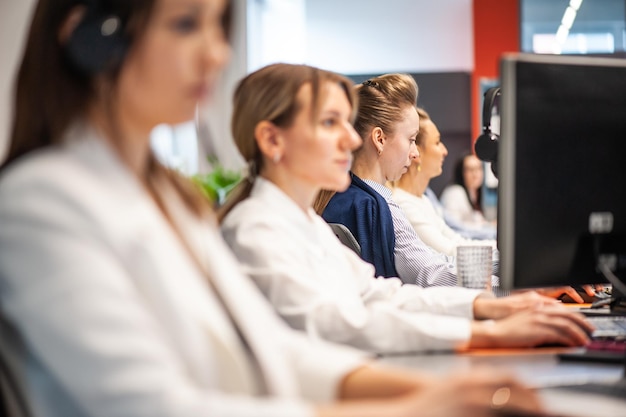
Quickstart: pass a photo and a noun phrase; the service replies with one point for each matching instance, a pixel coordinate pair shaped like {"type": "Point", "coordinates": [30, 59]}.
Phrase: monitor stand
{"type": "Point", "coordinates": [615, 305]}
{"type": "Point", "coordinates": [618, 302]}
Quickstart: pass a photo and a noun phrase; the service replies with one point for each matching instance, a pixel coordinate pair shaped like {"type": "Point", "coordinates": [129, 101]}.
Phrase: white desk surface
{"type": "Point", "coordinates": [539, 368]}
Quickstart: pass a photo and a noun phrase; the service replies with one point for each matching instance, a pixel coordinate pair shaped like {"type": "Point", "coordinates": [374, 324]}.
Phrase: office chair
{"type": "Point", "coordinates": [346, 237]}
{"type": "Point", "coordinates": [13, 402]}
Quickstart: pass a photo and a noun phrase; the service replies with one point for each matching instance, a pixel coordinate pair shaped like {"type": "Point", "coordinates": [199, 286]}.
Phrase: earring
{"type": "Point", "coordinates": [276, 158]}
{"type": "Point", "coordinates": [419, 168]}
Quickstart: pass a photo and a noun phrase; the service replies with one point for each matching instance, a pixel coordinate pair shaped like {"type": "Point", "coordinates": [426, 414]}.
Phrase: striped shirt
{"type": "Point", "coordinates": [416, 262]}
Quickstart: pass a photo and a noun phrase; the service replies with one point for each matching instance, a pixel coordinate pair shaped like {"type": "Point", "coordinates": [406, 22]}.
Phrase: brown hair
{"type": "Point", "coordinates": [271, 94]}
{"type": "Point", "coordinates": [48, 101]}
{"type": "Point", "coordinates": [424, 116]}
{"type": "Point", "coordinates": [419, 141]}
{"type": "Point", "coordinates": [459, 179]}
{"type": "Point", "coordinates": [381, 101]}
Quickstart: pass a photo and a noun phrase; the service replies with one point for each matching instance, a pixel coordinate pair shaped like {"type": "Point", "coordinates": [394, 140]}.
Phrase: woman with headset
{"type": "Point", "coordinates": [124, 298]}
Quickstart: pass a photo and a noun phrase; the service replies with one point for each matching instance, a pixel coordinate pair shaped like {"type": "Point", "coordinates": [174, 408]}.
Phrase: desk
{"type": "Point", "coordinates": [539, 368]}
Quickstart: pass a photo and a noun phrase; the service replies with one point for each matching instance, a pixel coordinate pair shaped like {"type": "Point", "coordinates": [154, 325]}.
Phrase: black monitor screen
{"type": "Point", "coordinates": [562, 169]}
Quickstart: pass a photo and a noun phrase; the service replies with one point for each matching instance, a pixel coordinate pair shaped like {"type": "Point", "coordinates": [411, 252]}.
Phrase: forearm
{"type": "Point", "coordinates": [375, 382]}
{"type": "Point", "coordinates": [483, 335]}
{"type": "Point", "coordinates": [383, 328]}
{"type": "Point", "coordinates": [498, 308]}
{"type": "Point", "coordinates": [491, 308]}
{"type": "Point", "coordinates": [366, 391]}
{"type": "Point", "coordinates": [362, 408]}
{"type": "Point", "coordinates": [448, 301]}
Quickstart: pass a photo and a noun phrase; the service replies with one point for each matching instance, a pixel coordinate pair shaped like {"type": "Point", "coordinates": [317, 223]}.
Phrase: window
{"type": "Point", "coordinates": [573, 26]}
{"type": "Point", "coordinates": [177, 146]}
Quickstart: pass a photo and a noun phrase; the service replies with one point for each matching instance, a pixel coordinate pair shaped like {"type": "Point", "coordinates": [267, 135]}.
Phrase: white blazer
{"type": "Point", "coordinates": [118, 320]}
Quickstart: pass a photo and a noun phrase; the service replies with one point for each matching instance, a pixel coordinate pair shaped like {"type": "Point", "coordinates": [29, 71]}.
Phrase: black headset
{"type": "Point", "coordinates": [98, 43]}
{"type": "Point", "coordinates": [486, 145]}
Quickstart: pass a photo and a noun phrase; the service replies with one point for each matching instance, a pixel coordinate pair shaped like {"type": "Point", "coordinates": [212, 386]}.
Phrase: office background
{"type": "Point", "coordinates": [450, 46]}
{"type": "Point", "coordinates": [351, 37]}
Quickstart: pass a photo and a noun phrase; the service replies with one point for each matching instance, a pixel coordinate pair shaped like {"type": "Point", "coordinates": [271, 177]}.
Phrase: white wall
{"type": "Point", "coordinates": [276, 32]}
{"type": "Point", "coordinates": [14, 16]}
{"type": "Point", "coordinates": [362, 36]}
{"type": "Point", "coordinates": [377, 36]}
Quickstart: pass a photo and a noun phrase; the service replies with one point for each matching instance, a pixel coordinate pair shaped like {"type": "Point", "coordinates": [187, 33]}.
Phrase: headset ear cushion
{"type": "Point", "coordinates": [97, 44]}
{"type": "Point", "coordinates": [486, 147]}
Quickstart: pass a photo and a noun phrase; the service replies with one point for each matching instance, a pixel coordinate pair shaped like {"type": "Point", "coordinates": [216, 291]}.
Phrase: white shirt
{"type": "Point", "coordinates": [319, 285]}
{"type": "Point", "coordinates": [487, 232]}
{"type": "Point", "coordinates": [117, 319]}
{"type": "Point", "coordinates": [456, 204]}
{"type": "Point", "coordinates": [430, 226]}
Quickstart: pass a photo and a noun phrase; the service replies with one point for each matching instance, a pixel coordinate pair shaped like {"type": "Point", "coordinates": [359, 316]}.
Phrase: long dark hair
{"type": "Point", "coordinates": [51, 94]}
{"type": "Point", "coordinates": [460, 180]}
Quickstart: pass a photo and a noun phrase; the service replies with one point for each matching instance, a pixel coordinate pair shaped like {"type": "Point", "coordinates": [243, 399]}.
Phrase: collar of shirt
{"type": "Point", "coordinates": [380, 189]}
{"type": "Point", "coordinates": [273, 196]}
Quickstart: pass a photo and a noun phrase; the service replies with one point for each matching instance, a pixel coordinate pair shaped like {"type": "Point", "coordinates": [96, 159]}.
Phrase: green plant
{"type": "Point", "coordinates": [218, 183]}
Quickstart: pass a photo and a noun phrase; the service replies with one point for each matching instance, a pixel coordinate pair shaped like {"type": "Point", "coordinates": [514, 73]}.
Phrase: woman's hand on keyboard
{"type": "Point", "coordinates": [555, 325]}
{"type": "Point", "coordinates": [557, 292]}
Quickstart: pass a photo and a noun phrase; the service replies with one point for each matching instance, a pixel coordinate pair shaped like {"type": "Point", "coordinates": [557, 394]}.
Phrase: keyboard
{"type": "Point", "coordinates": [608, 326]}
{"type": "Point", "coordinates": [608, 345]}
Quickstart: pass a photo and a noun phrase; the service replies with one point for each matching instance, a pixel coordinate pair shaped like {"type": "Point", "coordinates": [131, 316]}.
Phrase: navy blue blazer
{"type": "Point", "coordinates": [366, 213]}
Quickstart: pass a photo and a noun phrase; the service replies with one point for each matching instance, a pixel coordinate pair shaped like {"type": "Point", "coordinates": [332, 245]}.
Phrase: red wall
{"type": "Point", "coordinates": [496, 30]}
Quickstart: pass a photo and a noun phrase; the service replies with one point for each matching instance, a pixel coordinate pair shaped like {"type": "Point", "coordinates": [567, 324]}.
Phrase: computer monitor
{"type": "Point", "coordinates": [562, 170]}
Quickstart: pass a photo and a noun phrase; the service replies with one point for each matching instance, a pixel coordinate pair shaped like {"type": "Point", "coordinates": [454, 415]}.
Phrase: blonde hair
{"type": "Point", "coordinates": [419, 141]}
{"type": "Point", "coordinates": [381, 101]}
{"type": "Point", "coordinates": [424, 116]}
{"type": "Point", "coordinates": [271, 94]}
